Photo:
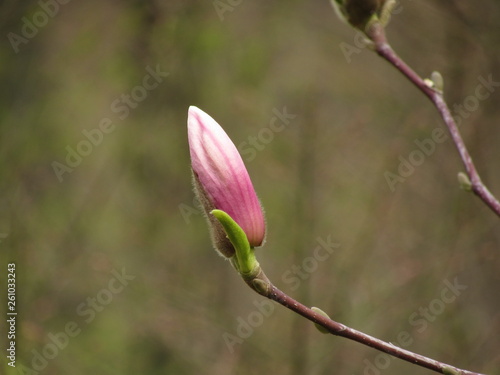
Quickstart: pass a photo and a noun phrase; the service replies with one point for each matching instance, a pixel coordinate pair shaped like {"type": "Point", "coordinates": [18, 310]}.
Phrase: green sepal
{"type": "Point", "coordinates": [245, 262]}
{"type": "Point", "coordinates": [320, 312]}
{"type": "Point", "coordinates": [438, 81]}
{"type": "Point", "coordinates": [386, 11]}
{"type": "Point", "coordinates": [464, 181]}
{"type": "Point", "coordinates": [447, 370]}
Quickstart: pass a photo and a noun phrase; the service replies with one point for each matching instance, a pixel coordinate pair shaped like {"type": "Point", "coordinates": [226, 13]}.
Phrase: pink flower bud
{"type": "Point", "coordinates": [222, 181]}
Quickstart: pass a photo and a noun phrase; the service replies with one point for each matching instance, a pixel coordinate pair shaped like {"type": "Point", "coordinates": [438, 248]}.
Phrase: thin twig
{"type": "Point", "coordinates": [339, 329]}
{"type": "Point", "coordinates": [377, 34]}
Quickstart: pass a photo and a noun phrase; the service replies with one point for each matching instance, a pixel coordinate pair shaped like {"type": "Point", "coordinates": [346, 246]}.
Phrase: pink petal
{"type": "Point", "coordinates": [222, 174]}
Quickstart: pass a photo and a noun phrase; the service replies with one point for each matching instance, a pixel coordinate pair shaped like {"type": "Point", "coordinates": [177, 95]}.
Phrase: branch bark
{"type": "Point", "coordinates": [338, 329]}
{"type": "Point", "coordinates": [377, 34]}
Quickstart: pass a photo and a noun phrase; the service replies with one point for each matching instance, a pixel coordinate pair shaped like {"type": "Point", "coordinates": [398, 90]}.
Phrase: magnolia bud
{"type": "Point", "coordinates": [464, 181]}
{"type": "Point", "coordinates": [361, 13]}
{"type": "Point", "coordinates": [221, 181]}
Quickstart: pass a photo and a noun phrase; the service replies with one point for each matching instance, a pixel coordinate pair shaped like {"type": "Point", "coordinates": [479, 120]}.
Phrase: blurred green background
{"type": "Point", "coordinates": [76, 215]}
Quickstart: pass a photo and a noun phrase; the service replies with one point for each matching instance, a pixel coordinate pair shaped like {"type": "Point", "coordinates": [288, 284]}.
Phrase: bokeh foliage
{"type": "Point", "coordinates": [129, 203]}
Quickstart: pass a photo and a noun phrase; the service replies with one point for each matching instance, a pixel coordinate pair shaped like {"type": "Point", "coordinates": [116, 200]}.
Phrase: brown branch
{"type": "Point", "coordinates": [377, 34]}
{"type": "Point", "coordinates": [338, 329]}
